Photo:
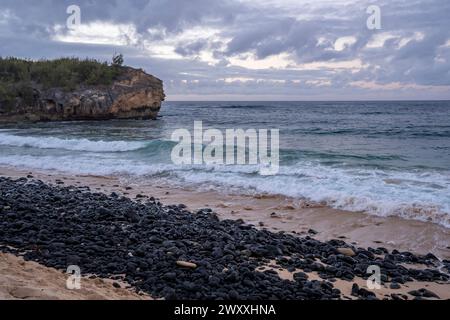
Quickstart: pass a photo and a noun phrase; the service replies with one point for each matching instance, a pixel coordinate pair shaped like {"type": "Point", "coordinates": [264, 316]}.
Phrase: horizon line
{"type": "Point", "coordinates": [362, 100]}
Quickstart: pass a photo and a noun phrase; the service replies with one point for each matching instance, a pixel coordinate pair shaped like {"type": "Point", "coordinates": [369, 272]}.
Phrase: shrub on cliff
{"type": "Point", "coordinates": [64, 72]}
{"type": "Point", "coordinates": [18, 77]}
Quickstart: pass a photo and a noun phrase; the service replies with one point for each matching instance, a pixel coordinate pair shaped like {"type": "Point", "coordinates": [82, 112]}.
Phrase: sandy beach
{"type": "Point", "coordinates": [225, 158]}
{"type": "Point", "coordinates": [271, 213]}
{"type": "Point", "coordinates": [26, 280]}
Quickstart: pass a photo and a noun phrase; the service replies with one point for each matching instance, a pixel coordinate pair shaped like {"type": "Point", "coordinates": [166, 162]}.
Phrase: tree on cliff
{"type": "Point", "coordinates": [117, 60]}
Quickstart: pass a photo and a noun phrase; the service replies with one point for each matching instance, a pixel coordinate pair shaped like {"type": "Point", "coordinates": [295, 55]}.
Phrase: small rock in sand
{"type": "Point", "coordinates": [346, 252]}
{"type": "Point", "coordinates": [186, 264]}
{"type": "Point", "coordinates": [274, 215]}
{"type": "Point", "coordinates": [394, 286]}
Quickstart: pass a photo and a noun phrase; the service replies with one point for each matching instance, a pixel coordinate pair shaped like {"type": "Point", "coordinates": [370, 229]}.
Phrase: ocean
{"type": "Point", "coordinates": [381, 158]}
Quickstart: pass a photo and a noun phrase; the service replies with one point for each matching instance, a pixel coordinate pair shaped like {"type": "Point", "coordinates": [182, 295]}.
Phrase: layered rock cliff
{"type": "Point", "coordinates": [134, 94]}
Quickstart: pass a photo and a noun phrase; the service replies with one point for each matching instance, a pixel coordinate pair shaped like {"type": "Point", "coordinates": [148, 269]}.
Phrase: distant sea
{"type": "Point", "coordinates": [382, 158]}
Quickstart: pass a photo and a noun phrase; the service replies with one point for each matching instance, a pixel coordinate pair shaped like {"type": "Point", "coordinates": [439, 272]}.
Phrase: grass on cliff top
{"type": "Point", "coordinates": [18, 77]}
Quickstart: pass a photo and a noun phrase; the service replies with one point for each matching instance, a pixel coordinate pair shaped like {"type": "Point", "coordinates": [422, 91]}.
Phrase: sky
{"type": "Point", "coordinates": [250, 50]}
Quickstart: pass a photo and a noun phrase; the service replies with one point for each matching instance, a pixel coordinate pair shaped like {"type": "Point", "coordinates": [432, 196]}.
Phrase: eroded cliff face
{"type": "Point", "coordinates": [133, 95]}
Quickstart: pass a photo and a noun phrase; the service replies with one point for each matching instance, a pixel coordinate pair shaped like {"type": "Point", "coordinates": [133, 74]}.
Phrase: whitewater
{"type": "Point", "coordinates": [338, 154]}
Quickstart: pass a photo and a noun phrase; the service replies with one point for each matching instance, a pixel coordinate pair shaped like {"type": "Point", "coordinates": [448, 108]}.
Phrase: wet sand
{"type": "Point", "coordinates": [385, 292]}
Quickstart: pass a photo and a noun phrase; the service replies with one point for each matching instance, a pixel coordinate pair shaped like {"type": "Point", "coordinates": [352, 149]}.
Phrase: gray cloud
{"type": "Point", "coordinates": [306, 33]}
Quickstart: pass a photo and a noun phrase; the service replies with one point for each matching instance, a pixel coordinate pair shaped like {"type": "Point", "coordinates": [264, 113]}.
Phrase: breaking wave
{"type": "Point", "coordinates": [69, 144]}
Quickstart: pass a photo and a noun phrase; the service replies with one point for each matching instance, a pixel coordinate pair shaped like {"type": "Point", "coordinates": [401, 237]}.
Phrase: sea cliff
{"type": "Point", "coordinates": [130, 94]}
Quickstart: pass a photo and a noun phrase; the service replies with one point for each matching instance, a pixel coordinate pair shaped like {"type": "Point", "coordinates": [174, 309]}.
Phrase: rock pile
{"type": "Point", "coordinates": [170, 252]}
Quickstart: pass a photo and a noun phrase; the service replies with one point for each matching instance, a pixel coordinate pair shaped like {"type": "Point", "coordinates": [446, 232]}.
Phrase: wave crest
{"type": "Point", "coordinates": [70, 144]}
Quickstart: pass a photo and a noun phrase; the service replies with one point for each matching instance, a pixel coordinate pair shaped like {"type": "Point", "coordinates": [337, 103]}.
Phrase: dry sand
{"type": "Point", "coordinates": [26, 280]}
{"type": "Point", "coordinates": [291, 216]}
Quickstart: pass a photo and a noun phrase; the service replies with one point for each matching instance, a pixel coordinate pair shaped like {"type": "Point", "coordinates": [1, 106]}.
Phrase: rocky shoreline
{"type": "Point", "coordinates": [169, 252]}
{"type": "Point", "coordinates": [133, 95]}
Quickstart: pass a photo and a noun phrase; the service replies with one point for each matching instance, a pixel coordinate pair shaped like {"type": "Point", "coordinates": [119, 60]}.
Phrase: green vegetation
{"type": "Point", "coordinates": [117, 60]}
{"type": "Point", "coordinates": [18, 77]}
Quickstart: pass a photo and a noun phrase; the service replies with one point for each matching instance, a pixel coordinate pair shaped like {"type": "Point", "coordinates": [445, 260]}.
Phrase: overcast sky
{"type": "Point", "coordinates": [250, 50]}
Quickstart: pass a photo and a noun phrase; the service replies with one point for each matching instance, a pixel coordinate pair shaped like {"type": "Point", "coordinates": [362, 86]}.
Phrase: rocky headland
{"type": "Point", "coordinates": [115, 92]}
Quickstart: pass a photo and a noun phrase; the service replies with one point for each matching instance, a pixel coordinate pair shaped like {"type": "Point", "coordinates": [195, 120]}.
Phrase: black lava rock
{"type": "Point", "coordinates": [140, 242]}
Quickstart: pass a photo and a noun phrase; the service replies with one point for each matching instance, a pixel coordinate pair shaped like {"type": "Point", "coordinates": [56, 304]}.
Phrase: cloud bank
{"type": "Point", "coordinates": [250, 50]}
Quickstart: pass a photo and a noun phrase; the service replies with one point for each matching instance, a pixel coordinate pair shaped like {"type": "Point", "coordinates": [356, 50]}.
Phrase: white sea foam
{"type": "Point", "coordinates": [69, 144]}
{"type": "Point", "coordinates": [85, 165]}
{"type": "Point", "coordinates": [418, 195]}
